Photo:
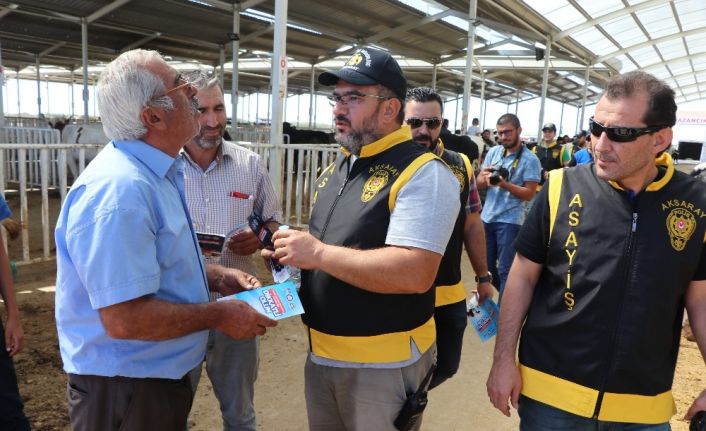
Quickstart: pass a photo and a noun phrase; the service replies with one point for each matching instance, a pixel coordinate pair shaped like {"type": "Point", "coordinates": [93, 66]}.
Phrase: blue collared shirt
{"type": "Point", "coordinates": [124, 232]}
{"type": "Point", "coordinates": [501, 206]}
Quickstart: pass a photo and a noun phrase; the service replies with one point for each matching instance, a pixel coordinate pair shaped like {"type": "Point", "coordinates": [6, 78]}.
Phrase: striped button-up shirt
{"type": "Point", "coordinates": [222, 197]}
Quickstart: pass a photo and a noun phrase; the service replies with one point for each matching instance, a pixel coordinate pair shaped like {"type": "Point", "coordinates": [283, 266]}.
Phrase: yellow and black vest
{"type": "Point", "coordinates": [549, 157]}
{"type": "Point", "coordinates": [449, 287]}
{"type": "Point", "coordinates": [353, 210]}
{"type": "Point", "coordinates": [602, 333]}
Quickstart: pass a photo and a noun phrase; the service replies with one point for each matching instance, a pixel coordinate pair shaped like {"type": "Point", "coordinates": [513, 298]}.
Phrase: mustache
{"type": "Point", "coordinates": [420, 138]}
{"type": "Point", "coordinates": [605, 157]}
{"type": "Point", "coordinates": [343, 119]}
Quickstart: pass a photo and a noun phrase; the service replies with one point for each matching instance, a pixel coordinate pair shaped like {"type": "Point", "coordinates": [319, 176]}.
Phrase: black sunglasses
{"type": "Point", "coordinates": [621, 134]}
{"type": "Point", "coordinates": [415, 123]}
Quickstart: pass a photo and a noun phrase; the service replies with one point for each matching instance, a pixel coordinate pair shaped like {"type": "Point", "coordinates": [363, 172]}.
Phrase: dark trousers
{"type": "Point", "coordinates": [124, 403]}
{"type": "Point", "coordinates": [451, 321]}
{"type": "Point", "coordinates": [12, 417]}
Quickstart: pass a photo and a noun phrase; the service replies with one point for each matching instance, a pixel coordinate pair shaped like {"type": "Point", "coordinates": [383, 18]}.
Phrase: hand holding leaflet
{"type": "Point", "coordinates": [276, 301]}
{"type": "Point", "coordinates": [483, 317]}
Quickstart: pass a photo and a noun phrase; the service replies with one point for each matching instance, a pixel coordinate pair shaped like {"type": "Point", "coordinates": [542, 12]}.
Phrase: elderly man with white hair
{"type": "Point", "coordinates": [132, 306]}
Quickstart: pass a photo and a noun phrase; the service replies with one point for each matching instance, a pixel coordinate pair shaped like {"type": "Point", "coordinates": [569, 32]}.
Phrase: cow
{"type": "Point", "coordinates": [91, 133]}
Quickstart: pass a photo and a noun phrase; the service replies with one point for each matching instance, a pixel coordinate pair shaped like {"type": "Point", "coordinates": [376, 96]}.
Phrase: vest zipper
{"type": "Point", "coordinates": [333, 206]}
{"type": "Point", "coordinates": [613, 337]}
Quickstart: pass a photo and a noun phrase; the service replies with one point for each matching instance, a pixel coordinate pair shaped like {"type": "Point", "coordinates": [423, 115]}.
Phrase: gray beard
{"type": "Point", "coordinates": [354, 141]}
{"type": "Point", "coordinates": [206, 144]}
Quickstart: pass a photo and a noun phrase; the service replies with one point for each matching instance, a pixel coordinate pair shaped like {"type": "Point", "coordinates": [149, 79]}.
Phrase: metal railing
{"type": "Point", "coordinates": [26, 157]}
{"type": "Point", "coordinates": [31, 135]}
{"type": "Point", "coordinates": [300, 163]}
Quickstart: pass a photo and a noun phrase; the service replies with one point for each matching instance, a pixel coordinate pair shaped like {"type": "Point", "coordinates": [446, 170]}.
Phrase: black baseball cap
{"type": "Point", "coordinates": [549, 126]}
{"type": "Point", "coordinates": [369, 66]}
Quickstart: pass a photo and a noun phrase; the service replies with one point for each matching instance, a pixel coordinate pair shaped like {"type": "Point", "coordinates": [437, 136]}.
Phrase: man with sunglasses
{"type": "Point", "coordinates": [423, 113]}
{"type": "Point", "coordinates": [132, 310]}
{"type": "Point", "coordinates": [383, 215]}
{"type": "Point", "coordinates": [610, 254]}
{"type": "Point", "coordinates": [510, 173]}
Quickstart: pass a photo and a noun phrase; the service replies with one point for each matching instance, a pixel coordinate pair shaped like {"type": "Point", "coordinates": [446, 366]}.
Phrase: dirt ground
{"type": "Point", "coordinates": [459, 404]}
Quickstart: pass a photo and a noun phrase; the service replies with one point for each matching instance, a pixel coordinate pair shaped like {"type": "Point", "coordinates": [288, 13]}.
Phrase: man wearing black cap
{"type": "Point", "coordinates": [548, 152]}
{"type": "Point", "coordinates": [383, 214]}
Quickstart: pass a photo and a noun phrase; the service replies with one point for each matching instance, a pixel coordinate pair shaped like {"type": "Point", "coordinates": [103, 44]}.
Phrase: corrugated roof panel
{"type": "Point", "coordinates": [625, 30]}
{"type": "Point", "coordinates": [595, 41]}
{"type": "Point", "coordinates": [687, 80]}
{"type": "Point", "coordinates": [672, 49]}
{"type": "Point", "coordinates": [597, 8]}
{"type": "Point", "coordinates": [692, 13]}
{"type": "Point", "coordinates": [660, 72]}
{"type": "Point", "coordinates": [646, 55]}
{"type": "Point", "coordinates": [679, 67]}
{"type": "Point", "coordinates": [696, 43]}
{"type": "Point", "coordinates": [658, 21]}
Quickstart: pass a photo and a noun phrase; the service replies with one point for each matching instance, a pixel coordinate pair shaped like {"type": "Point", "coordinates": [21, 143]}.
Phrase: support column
{"type": "Point", "coordinates": [2, 84]}
{"type": "Point", "coordinates": [73, 111]}
{"type": "Point", "coordinates": [585, 96]}
{"type": "Point", "coordinates": [545, 83]}
{"type": "Point", "coordinates": [279, 91]}
{"type": "Point", "coordinates": [312, 81]}
{"type": "Point", "coordinates": [517, 101]}
{"type": "Point", "coordinates": [433, 76]}
{"type": "Point", "coordinates": [19, 104]}
{"type": "Point", "coordinates": [39, 87]}
{"type": "Point", "coordinates": [84, 60]}
{"type": "Point", "coordinates": [468, 78]}
{"type": "Point", "coordinates": [483, 102]}
{"type": "Point", "coordinates": [222, 64]}
{"type": "Point", "coordinates": [561, 118]}
{"type": "Point", "coordinates": [234, 70]}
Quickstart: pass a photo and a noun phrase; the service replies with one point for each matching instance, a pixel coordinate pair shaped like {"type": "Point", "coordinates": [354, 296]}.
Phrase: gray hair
{"type": "Point", "coordinates": [124, 89]}
{"type": "Point", "coordinates": [204, 81]}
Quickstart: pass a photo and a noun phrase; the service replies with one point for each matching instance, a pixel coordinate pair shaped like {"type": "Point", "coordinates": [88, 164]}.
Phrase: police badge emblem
{"type": "Point", "coordinates": [681, 224]}
{"type": "Point", "coordinates": [374, 184]}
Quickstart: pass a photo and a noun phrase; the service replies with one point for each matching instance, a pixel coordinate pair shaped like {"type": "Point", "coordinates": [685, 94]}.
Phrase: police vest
{"type": "Point", "coordinates": [602, 332]}
{"type": "Point", "coordinates": [449, 287]}
{"type": "Point", "coordinates": [549, 157]}
{"type": "Point", "coordinates": [353, 210]}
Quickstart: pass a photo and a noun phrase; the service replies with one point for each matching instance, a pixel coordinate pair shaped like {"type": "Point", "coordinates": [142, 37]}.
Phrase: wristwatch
{"type": "Point", "coordinates": [488, 278]}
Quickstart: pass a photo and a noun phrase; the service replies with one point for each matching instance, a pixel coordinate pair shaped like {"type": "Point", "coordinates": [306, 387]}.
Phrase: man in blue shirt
{"type": "Point", "coordinates": [132, 307]}
{"type": "Point", "coordinates": [504, 208]}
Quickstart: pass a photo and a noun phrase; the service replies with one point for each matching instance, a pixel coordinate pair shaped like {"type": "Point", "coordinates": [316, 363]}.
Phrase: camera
{"type": "Point", "coordinates": [698, 422]}
{"type": "Point", "coordinates": [496, 172]}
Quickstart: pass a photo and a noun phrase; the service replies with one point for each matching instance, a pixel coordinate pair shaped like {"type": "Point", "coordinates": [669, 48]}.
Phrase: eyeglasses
{"type": "Point", "coordinates": [352, 99]}
{"type": "Point", "coordinates": [415, 123]}
{"type": "Point", "coordinates": [183, 82]}
{"type": "Point", "coordinates": [505, 132]}
{"type": "Point", "coordinates": [621, 134]}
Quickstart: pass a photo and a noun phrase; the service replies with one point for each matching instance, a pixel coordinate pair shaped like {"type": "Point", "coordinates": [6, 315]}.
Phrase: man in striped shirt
{"type": "Point", "coordinates": [224, 184]}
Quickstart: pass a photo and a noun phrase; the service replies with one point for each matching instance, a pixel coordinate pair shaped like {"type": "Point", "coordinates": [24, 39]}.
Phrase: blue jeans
{"type": "Point", "coordinates": [500, 251]}
{"type": "Point", "coordinates": [536, 416]}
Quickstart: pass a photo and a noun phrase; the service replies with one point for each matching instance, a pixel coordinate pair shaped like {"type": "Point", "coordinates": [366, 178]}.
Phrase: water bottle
{"type": "Point", "coordinates": [295, 274]}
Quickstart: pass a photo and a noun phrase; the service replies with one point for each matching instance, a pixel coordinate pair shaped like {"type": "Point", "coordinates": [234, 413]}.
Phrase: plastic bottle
{"type": "Point", "coordinates": [295, 274]}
